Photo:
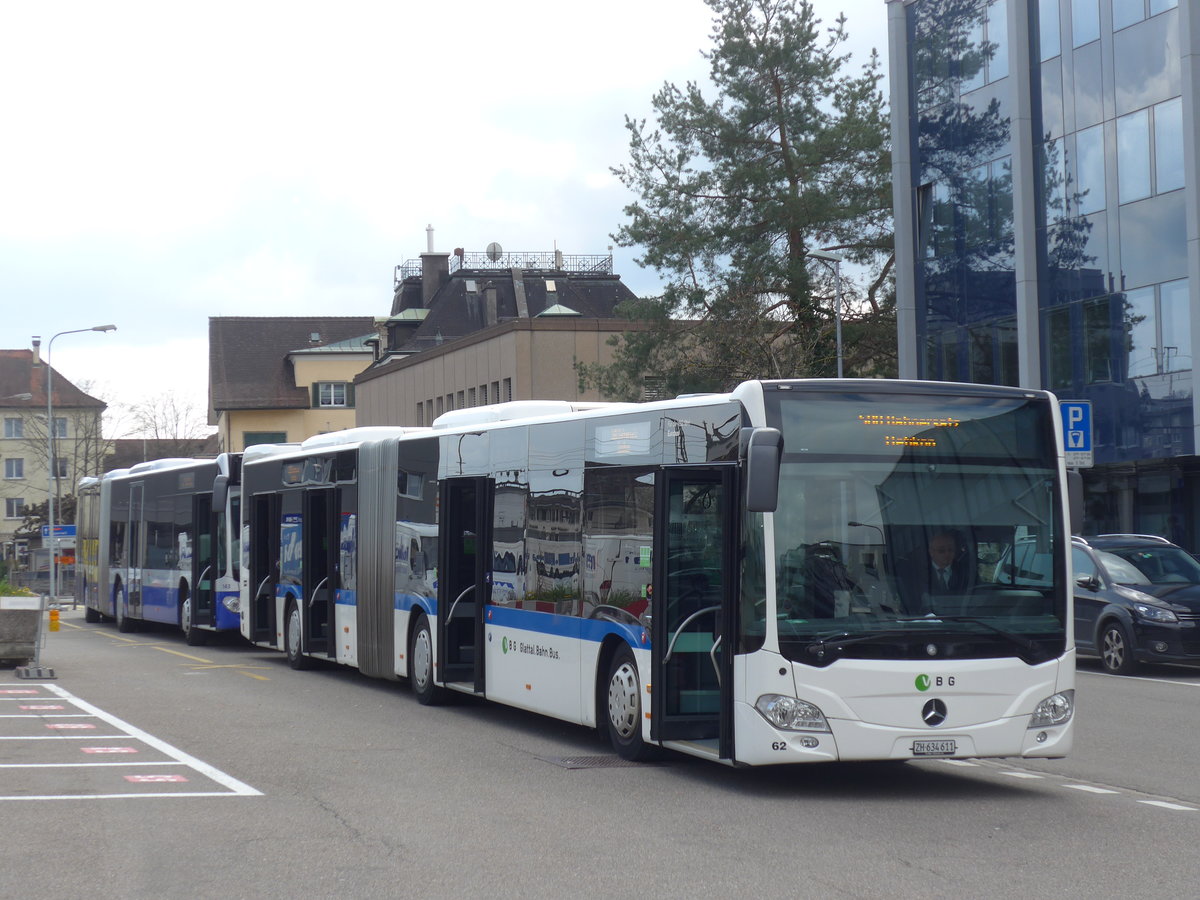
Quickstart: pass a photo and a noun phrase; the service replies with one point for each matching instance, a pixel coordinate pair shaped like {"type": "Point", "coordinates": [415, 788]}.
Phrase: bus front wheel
{"type": "Point", "coordinates": [624, 707]}
{"type": "Point", "coordinates": [420, 664]}
{"type": "Point", "coordinates": [192, 636]}
{"type": "Point", "coordinates": [125, 625]}
{"type": "Point", "coordinates": [291, 638]}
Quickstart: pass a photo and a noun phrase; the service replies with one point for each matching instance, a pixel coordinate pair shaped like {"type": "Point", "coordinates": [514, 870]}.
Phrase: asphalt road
{"type": "Point", "coordinates": [219, 772]}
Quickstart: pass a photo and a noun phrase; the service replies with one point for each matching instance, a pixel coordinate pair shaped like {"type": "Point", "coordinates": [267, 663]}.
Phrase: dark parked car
{"type": "Point", "coordinates": [1137, 599]}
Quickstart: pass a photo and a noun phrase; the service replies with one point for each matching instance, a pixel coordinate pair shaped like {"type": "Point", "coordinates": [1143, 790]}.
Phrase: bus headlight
{"type": "Point", "coordinates": [790, 713]}
{"type": "Point", "coordinates": [233, 603]}
{"type": "Point", "coordinates": [1055, 710]}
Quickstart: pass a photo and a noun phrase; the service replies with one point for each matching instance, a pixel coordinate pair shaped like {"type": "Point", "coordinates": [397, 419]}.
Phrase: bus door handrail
{"type": "Point", "coordinates": [454, 605]}
{"type": "Point", "coordinates": [684, 624]}
{"type": "Point", "coordinates": [712, 654]}
{"type": "Point", "coordinates": [261, 584]}
{"type": "Point", "coordinates": [317, 590]}
{"type": "Point", "coordinates": [200, 579]}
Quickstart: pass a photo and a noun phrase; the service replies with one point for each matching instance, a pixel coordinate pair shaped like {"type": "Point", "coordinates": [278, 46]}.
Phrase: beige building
{"type": "Point", "coordinates": [523, 359]}
{"type": "Point", "coordinates": [25, 476]}
{"type": "Point", "coordinates": [273, 380]}
{"type": "Point", "coordinates": [468, 329]}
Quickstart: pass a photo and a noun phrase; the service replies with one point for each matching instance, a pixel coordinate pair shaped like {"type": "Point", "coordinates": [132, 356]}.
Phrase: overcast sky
{"type": "Point", "coordinates": [166, 162]}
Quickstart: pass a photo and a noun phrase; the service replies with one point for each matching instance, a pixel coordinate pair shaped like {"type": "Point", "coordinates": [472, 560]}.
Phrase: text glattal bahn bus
{"type": "Point", "coordinates": [158, 546]}
{"type": "Point", "coordinates": [741, 577]}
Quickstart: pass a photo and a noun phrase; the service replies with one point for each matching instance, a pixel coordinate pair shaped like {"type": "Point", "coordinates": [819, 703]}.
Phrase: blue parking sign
{"type": "Point", "coordinates": [1077, 432]}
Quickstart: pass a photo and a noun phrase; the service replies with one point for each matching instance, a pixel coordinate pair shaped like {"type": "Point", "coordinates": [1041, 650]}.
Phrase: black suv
{"type": "Point", "coordinates": [1137, 599]}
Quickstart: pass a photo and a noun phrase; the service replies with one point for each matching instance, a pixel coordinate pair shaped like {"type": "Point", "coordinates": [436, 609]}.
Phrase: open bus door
{"type": "Point", "coordinates": [464, 578]}
{"type": "Point", "coordinates": [321, 538]}
{"type": "Point", "coordinates": [265, 536]}
{"type": "Point", "coordinates": [204, 573]}
{"type": "Point", "coordinates": [137, 556]}
{"type": "Point", "coordinates": [693, 619]}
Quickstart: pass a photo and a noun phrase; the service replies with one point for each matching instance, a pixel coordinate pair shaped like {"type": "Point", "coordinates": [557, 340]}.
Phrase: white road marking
{"type": "Point", "coordinates": [1165, 805]}
{"type": "Point", "coordinates": [234, 788]}
{"type": "Point", "coordinates": [1142, 678]}
{"type": "Point", "coordinates": [1090, 788]}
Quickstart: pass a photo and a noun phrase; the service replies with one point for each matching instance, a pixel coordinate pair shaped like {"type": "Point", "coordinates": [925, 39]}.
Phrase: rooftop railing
{"type": "Point", "coordinates": [553, 261]}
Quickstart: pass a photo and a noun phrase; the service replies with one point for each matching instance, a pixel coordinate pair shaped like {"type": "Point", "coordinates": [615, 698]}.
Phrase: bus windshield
{"type": "Point", "coordinates": [900, 521]}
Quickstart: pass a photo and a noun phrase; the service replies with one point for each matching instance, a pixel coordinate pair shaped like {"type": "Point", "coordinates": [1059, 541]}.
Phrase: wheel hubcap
{"type": "Point", "coordinates": [422, 658]}
{"type": "Point", "coordinates": [293, 637]}
{"type": "Point", "coordinates": [623, 702]}
{"type": "Point", "coordinates": [1114, 649]}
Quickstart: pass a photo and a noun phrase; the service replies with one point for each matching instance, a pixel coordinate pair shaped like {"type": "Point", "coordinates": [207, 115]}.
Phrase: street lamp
{"type": "Point", "coordinates": [837, 309]}
{"type": "Point", "coordinates": [52, 477]}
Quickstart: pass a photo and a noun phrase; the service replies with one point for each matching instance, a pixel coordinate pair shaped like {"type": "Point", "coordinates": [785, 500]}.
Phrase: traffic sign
{"type": "Point", "coordinates": [1077, 432]}
{"type": "Point", "coordinates": [60, 531]}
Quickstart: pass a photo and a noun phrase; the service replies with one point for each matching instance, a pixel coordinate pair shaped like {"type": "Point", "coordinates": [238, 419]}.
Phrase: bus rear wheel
{"type": "Point", "coordinates": [291, 638]}
{"type": "Point", "coordinates": [623, 717]}
{"type": "Point", "coordinates": [420, 664]}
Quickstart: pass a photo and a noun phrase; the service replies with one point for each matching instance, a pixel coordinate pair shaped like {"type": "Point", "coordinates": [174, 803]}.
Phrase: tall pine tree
{"type": "Point", "coordinates": [790, 155]}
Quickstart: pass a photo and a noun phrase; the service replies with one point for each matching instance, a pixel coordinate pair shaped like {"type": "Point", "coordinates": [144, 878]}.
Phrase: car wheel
{"type": "Point", "coordinates": [624, 707]}
{"type": "Point", "coordinates": [1116, 649]}
{"type": "Point", "coordinates": [91, 616]}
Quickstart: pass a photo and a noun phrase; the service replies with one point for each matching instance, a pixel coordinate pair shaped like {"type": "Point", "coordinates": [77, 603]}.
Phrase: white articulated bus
{"type": "Point", "coordinates": [743, 577]}
{"type": "Point", "coordinates": [160, 545]}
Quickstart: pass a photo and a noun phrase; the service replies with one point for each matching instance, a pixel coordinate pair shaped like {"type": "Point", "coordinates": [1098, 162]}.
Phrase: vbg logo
{"type": "Point", "coordinates": [923, 682]}
{"type": "Point", "coordinates": [504, 645]}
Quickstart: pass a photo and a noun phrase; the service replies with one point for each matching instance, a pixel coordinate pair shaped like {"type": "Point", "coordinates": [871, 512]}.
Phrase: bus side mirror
{"type": "Point", "coordinates": [220, 492]}
{"type": "Point", "coordinates": [764, 451]}
{"type": "Point", "coordinates": [1075, 500]}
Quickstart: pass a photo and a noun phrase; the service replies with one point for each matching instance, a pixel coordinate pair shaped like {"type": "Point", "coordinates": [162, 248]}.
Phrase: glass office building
{"type": "Point", "coordinates": [1047, 227]}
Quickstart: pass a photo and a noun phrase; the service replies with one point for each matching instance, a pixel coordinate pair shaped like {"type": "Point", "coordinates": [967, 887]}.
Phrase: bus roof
{"type": "Point", "coordinates": [519, 409]}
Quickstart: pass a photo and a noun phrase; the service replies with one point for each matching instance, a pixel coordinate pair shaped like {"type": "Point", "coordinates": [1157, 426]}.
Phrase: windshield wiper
{"type": "Point", "coordinates": [1018, 639]}
{"type": "Point", "coordinates": [845, 639]}
{"type": "Point", "coordinates": [835, 642]}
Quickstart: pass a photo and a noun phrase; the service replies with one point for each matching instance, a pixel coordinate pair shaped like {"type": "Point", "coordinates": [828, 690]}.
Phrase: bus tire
{"type": "Point", "coordinates": [1116, 648]}
{"type": "Point", "coordinates": [623, 707]}
{"type": "Point", "coordinates": [125, 625]}
{"type": "Point", "coordinates": [420, 664]}
{"type": "Point", "coordinates": [292, 637]}
{"type": "Point", "coordinates": [192, 636]}
{"type": "Point", "coordinates": [91, 616]}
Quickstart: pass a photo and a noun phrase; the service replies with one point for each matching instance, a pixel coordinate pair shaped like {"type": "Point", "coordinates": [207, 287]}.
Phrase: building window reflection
{"type": "Point", "coordinates": [1085, 21]}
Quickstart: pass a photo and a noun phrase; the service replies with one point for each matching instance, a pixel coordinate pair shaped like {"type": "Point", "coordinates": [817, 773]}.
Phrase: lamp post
{"type": "Point", "coordinates": [837, 289]}
{"type": "Point", "coordinates": [53, 475]}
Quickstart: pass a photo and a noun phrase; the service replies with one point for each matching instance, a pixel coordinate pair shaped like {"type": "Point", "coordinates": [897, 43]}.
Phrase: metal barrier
{"type": "Point", "coordinates": [23, 633]}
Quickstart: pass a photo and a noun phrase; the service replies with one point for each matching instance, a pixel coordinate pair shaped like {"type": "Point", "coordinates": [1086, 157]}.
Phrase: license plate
{"type": "Point", "coordinates": [934, 748]}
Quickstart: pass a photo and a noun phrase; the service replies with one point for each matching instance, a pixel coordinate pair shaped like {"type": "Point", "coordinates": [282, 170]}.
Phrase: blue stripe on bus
{"type": "Point", "coordinates": [535, 622]}
{"type": "Point", "coordinates": [565, 626]}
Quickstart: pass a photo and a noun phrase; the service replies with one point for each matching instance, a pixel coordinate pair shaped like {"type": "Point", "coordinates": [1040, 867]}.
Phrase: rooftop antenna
{"type": "Point", "coordinates": [494, 251]}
